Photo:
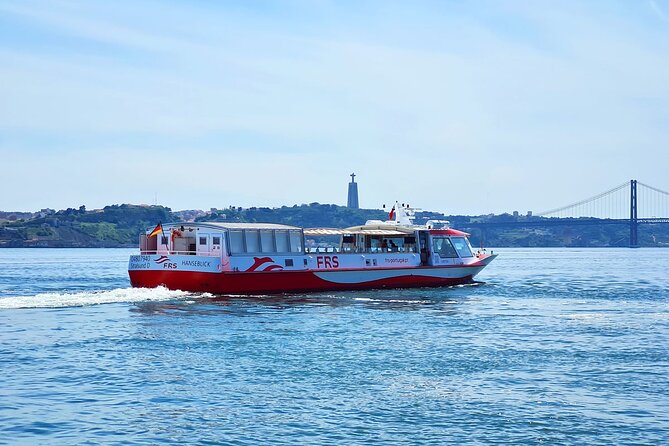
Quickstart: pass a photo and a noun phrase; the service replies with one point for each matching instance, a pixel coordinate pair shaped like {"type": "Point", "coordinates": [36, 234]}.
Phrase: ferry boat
{"type": "Point", "coordinates": [267, 258]}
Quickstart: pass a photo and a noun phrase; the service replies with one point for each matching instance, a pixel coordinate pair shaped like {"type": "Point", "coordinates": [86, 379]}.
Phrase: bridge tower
{"type": "Point", "coordinates": [634, 242]}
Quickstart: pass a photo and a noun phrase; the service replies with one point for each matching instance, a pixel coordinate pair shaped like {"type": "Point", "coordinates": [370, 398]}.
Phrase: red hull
{"type": "Point", "coordinates": [275, 282]}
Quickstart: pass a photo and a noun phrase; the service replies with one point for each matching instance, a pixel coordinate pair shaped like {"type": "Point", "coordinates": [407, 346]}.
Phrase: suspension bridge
{"type": "Point", "coordinates": [631, 203]}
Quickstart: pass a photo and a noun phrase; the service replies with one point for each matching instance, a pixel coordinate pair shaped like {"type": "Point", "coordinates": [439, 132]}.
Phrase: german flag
{"type": "Point", "coordinates": [158, 229]}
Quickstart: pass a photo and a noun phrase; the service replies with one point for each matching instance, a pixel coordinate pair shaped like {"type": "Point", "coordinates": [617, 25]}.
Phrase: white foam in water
{"type": "Point", "coordinates": [85, 298]}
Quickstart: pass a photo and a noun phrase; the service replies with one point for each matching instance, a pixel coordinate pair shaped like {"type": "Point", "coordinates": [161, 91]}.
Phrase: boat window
{"type": "Point", "coordinates": [393, 244]}
{"type": "Point", "coordinates": [347, 243]}
{"type": "Point", "coordinates": [410, 244]}
{"type": "Point", "coordinates": [295, 241]}
{"type": "Point", "coordinates": [374, 243]}
{"type": "Point", "coordinates": [267, 241]}
{"type": "Point", "coordinates": [443, 247]}
{"type": "Point", "coordinates": [203, 240]}
{"type": "Point", "coordinates": [282, 242]}
{"type": "Point", "coordinates": [163, 240]}
{"type": "Point", "coordinates": [236, 242]}
{"type": "Point", "coordinates": [462, 247]}
{"type": "Point", "coordinates": [252, 240]}
{"type": "Point", "coordinates": [215, 240]}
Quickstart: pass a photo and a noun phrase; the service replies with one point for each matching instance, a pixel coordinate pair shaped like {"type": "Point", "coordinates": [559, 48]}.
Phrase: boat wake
{"type": "Point", "coordinates": [86, 298]}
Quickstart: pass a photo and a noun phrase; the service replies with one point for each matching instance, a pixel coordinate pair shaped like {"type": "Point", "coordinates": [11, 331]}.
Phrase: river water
{"type": "Point", "coordinates": [556, 346]}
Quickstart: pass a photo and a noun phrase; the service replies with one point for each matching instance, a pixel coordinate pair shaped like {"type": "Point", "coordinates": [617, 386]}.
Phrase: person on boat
{"type": "Point", "coordinates": [446, 249]}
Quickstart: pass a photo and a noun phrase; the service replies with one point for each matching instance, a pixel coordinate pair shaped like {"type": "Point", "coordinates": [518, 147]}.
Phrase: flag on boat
{"type": "Point", "coordinates": [157, 230]}
{"type": "Point", "coordinates": [392, 213]}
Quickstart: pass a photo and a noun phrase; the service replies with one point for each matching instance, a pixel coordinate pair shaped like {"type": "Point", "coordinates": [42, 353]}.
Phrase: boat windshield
{"type": "Point", "coordinates": [443, 247]}
{"type": "Point", "coordinates": [462, 247]}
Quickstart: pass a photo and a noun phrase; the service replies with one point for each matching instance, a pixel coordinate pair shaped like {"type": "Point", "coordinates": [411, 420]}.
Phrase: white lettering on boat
{"type": "Point", "coordinates": [387, 260]}
{"type": "Point", "coordinates": [196, 263]}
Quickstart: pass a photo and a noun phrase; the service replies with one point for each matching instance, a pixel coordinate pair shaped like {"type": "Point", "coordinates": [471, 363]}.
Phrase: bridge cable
{"type": "Point", "coordinates": [659, 204]}
{"type": "Point", "coordinates": [653, 188]}
{"type": "Point", "coordinates": [596, 197]}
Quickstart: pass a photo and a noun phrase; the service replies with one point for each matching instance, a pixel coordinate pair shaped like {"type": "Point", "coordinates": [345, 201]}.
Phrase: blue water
{"type": "Point", "coordinates": [556, 347]}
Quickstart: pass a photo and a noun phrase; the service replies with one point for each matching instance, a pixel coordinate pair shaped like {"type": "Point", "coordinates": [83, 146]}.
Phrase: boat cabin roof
{"type": "Point", "coordinates": [449, 231]}
{"type": "Point", "coordinates": [384, 230]}
{"type": "Point", "coordinates": [381, 230]}
{"type": "Point", "coordinates": [225, 225]}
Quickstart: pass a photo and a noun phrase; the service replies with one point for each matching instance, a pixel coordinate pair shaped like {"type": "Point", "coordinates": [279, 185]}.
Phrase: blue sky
{"type": "Point", "coordinates": [456, 106]}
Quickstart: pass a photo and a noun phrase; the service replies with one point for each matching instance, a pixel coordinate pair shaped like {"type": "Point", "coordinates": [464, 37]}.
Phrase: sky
{"type": "Point", "coordinates": [462, 107]}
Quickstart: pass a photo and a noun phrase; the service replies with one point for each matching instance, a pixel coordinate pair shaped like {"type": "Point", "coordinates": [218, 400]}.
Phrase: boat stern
{"type": "Point", "coordinates": [170, 270]}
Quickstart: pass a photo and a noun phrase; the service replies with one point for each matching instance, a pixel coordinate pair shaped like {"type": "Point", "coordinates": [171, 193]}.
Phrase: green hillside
{"type": "Point", "coordinates": [120, 225]}
{"type": "Point", "coordinates": [112, 226]}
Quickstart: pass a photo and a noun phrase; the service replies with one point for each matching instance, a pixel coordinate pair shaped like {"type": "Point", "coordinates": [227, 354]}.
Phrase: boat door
{"type": "Point", "coordinates": [220, 249]}
{"type": "Point", "coordinates": [203, 244]}
{"type": "Point", "coordinates": [216, 243]}
{"type": "Point", "coordinates": [424, 245]}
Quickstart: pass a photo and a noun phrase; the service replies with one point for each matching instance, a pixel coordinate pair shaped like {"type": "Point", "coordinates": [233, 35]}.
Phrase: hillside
{"type": "Point", "coordinates": [120, 225]}
{"type": "Point", "coordinates": [112, 226]}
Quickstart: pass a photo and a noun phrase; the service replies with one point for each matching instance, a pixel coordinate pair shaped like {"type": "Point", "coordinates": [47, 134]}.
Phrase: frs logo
{"type": "Point", "coordinates": [165, 261]}
{"type": "Point", "coordinates": [327, 262]}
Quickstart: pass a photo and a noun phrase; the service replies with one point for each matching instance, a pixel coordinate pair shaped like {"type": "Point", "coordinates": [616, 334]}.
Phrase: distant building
{"type": "Point", "coordinates": [353, 194]}
{"type": "Point", "coordinates": [46, 211]}
{"type": "Point", "coordinates": [515, 213]}
{"type": "Point", "coordinates": [529, 213]}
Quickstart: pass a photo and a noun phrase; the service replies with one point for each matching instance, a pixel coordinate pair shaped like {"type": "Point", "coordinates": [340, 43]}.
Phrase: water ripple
{"type": "Point", "coordinates": [553, 347]}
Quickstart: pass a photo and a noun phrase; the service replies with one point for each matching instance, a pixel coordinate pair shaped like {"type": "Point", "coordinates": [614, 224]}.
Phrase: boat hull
{"type": "Point", "coordinates": [276, 282]}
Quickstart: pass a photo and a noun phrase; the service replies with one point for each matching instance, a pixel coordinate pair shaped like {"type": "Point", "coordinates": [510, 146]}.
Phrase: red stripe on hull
{"type": "Point", "coordinates": [273, 282]}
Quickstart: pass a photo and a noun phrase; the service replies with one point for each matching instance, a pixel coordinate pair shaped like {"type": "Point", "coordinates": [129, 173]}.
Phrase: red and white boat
{"type": "Point", "coordinates": [266, 258]}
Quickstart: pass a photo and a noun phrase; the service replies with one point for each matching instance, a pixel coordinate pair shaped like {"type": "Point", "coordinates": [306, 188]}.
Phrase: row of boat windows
{"type": "Point", "coordinates": [265, 241]}
{"type": "Point", "coordinates": [284, 241]}
{"type": "Point", "coordinates": [378, 244]}
{"type": "Point", "coordinates": [250, 241]}
{"type": "Point", "coordinates": [451, 248]}
{"type": "Point", "coordinates": [216, 240]}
